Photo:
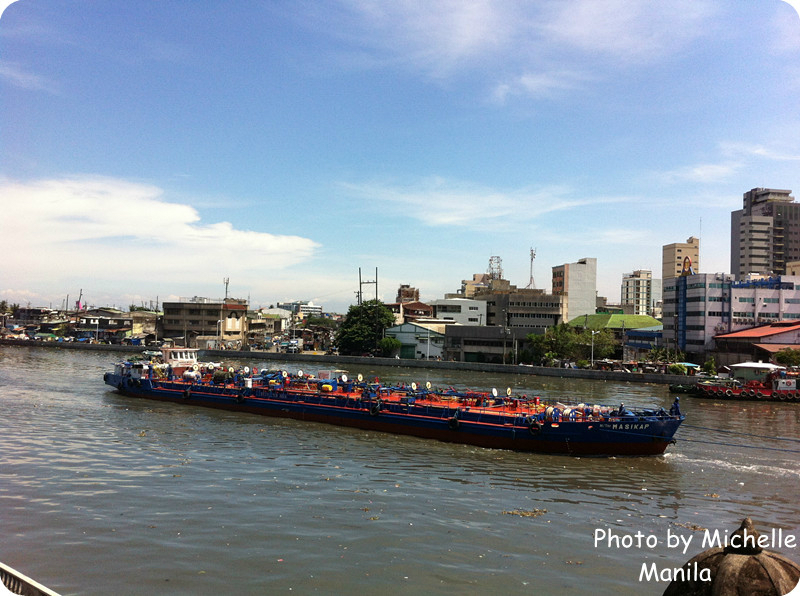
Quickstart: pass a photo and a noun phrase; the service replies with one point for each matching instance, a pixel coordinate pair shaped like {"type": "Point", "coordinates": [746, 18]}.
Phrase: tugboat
{"type": "Point", "coordinates": [753, 380]}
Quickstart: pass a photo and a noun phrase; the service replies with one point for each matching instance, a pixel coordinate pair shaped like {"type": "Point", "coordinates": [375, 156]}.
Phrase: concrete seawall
{"type": "Point", "coordinates": [513, 369]}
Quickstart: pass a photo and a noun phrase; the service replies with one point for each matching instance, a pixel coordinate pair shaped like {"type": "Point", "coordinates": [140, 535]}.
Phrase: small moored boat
{"type": "Point", "coordinates": [761, 381]}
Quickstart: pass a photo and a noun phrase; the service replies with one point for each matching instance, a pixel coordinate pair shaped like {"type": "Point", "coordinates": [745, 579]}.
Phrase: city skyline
{"type": "Point", "coordinates": [152, 153]}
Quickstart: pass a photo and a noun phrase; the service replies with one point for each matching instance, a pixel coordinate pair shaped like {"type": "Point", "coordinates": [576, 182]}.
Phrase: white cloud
{"type": "Point", "coordinates": [436, 37]}
{"type": "Point", "coordinates": [546, 43]}
{"type": "Point", "coordinates": [539, 85]}
{"type": "Point", "coordinates": [703, 173]}
{"type": "Point", "coordinates": [122, 232]}
{"type": "Point", "coordinates": [440, 202]}
{"type": "Point", "coordinates": [735, 159]}
{"type": "Point", "coordinates": [750, 150]}
{"type": "Point", "coordinates": [628, 30]}
{"type": "Point", "coordinates": [18, 77]}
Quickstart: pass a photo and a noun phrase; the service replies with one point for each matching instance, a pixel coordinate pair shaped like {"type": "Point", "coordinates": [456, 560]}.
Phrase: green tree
{"type": "Point", "coordinates": [659, 355]}
{"type": "Point", "coordinates": [601, 344]}
{"type": "Point", "coordinates": [134, 308]}
{"type": "Point", "coordinates": [363, 328]}
{"type": "Point", "coordinates": [5, 307]}
{"type": "Point", "coordinates": [676, 369]}
{"type": "Point", "coordinates": [570, 343]}
{"type": "Point", "coordinates": [788, 357]}
{"type": "Point", "coordinates": [389, 346]}
{"type": "Point", "coordinates": [320, 322]}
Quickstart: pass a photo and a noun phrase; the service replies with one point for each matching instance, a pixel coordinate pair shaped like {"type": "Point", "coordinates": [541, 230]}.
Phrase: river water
{"type": "Point", "coordinates": [104, 494]}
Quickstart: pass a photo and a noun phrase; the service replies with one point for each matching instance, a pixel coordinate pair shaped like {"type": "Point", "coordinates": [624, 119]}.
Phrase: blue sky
{"type": "Point", "coordinates": [148, 150]}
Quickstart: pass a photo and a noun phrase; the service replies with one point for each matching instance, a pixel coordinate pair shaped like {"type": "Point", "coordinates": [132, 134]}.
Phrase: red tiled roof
{"type": "Point", "coordinates": [762, 331]}
{"type": "Point", "coordinates": [416, 306]}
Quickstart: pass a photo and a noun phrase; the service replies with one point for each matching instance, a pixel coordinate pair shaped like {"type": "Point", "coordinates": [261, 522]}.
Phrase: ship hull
{"type": "Point", "coordinates": [482, 427]}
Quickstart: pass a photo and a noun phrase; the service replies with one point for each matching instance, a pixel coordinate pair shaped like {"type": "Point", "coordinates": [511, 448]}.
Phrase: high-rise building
{"type": "Point", "coordinates": [640, 291]}
{"type": "Point", "coordinates": [577, 282]}
{"type": "Point", "coordinates": [765, 233]}
{"type": "Point", "coordinates": [680, 258]}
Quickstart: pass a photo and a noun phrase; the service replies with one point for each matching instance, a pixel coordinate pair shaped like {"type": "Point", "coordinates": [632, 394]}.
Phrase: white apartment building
{"type": "Point", "coordinates": [577, 282]}
{"type": "Point", "coordinates": [641, 291]}
{"type": "Point", "coordinates": [698, 307]}
{"type": "Point", "coordinates": [302, 308]}
{"type": "Point", "coordinates": [460, 311]}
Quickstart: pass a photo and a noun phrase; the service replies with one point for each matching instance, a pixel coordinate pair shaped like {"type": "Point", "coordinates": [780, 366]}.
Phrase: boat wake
{"type": "Point", "coordinates": [777, 469]}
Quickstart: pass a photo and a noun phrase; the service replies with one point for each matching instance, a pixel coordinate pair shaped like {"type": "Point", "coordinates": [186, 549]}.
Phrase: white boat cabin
{"type": "Point", "coordinates": [182, 358]}
{"type": "Point", "coordinates": [753, 371]}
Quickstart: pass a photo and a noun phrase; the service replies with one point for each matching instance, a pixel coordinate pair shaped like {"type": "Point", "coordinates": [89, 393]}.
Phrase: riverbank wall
{"type": "Point", "coordinates": [352, 362]}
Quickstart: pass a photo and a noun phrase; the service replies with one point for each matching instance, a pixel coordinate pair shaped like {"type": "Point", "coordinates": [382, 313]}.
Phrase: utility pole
{"type": "Point", "coordinates": [362, 283]}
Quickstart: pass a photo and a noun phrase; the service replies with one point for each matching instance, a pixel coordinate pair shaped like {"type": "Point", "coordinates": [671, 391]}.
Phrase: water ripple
{"type": "Point", "coordinates": [175, 499]}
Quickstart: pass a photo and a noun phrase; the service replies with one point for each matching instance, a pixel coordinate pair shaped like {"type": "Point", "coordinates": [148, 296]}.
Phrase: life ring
{"type": "Point", "coordinates": [751, 393]}
{"type": "Point", "coordinates": [187, 393]}
{"type": "Point", "coordinates": [375, 409]}
{"type": "Point", "coordinates": [781, 395]}
{"type": "Point", "coordinates": [534, 427]}
{"type": "Point", "coordinates": [728, 393]}
{"type": "Point", "coordinates": [453, 423]}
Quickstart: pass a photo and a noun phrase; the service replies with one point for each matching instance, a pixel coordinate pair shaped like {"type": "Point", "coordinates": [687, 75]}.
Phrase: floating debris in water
{"type": "Point", "coordinates": [531, 513]}
{"type": "Point", "coordinates": [689, 526]}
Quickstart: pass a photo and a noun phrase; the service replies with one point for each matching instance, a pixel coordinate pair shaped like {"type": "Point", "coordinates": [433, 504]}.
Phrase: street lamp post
{"type": "Point", "coordinates": [505, 332]}
{"type": "Point", "coordinates": [428, 357]}
{"type": "Point", "coordinates": [593, 334]}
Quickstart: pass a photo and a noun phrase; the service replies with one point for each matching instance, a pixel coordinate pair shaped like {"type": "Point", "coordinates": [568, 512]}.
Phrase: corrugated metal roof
{"type": "Point", "coordinates": [774, 348]}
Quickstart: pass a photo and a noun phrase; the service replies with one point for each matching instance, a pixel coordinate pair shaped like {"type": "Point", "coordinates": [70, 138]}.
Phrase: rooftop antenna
{"type": "Point", "coordinates": [532, 285]}
{"type": "Point", "coordinates": [495, 268]}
